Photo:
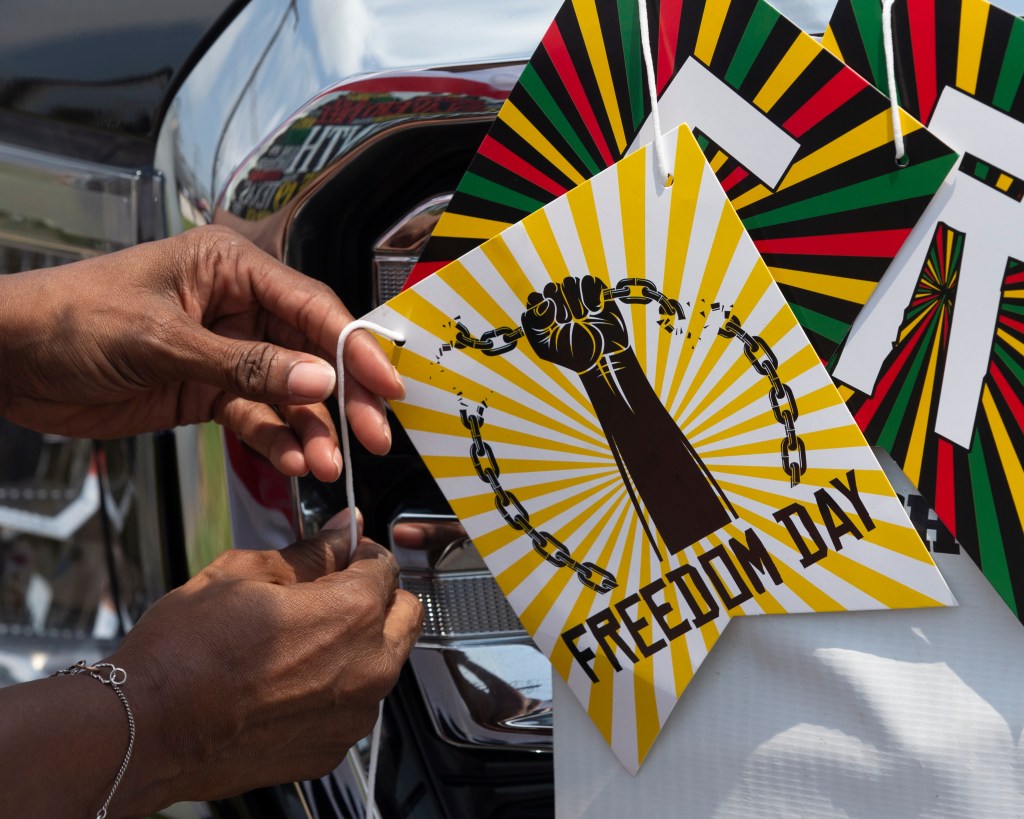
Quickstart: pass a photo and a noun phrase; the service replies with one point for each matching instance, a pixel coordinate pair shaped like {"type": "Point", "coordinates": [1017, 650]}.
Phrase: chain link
{"type": "Point", "coordinates": [780, 395]}
{"type": "Point", "coordinates": [628, 291]}
{"type": "Point", "coordinates": [643, 291]}
{"type": "Point", "coordinates": [515, 515]}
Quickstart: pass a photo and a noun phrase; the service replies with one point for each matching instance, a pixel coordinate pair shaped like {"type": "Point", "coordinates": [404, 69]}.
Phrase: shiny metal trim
{"type": "Point", "coordinates": [481, 695]}
{"type": "Point", "coordinates": [401, 245]}
{"type": "Point", "coordinates": [270, 231]}
{"type": "Point", "coordinates": [52, 203]}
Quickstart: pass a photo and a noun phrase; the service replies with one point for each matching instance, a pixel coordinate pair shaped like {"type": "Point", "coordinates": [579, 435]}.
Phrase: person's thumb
{"type": "Point", "coordinates": [257, 370]}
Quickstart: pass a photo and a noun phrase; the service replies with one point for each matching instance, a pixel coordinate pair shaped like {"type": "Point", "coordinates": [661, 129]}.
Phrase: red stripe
{"type": "Point", "coordinates": [1013, 324]}
{"type": "Point", "coordinates": [1016, 278]}
{"type": "Point", "coordinates": [737, 176]}
{"type": "Point", "coordinates": [945, 497]}
{"type": "Point", "coordinates": [922, 38]}
{"type": "Point", "coordinates": [1011, 397]}
{"type": "Point", "coordinates": [268, 487]}
{"type": "Point", "coordinates": [873, 243]}
{"type": "Point", "coordinates": [668, 38]}
{"type": "Point", "coordinates": [867, 412]}
{"type": "Point", "coordinates": [555, 46]}
{"type": "Point", "coordinates": [421, 271]}
{"type": "Point", "coordinates": [496, 152]}
{"type": "Point", "coordinates": [834, 94]}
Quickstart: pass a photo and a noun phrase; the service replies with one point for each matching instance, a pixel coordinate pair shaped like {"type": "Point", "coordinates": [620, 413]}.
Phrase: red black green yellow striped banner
{"type": "Point", "coordinates": [828, 226]}
{"type": "Point", "coordinates": [959, 68]}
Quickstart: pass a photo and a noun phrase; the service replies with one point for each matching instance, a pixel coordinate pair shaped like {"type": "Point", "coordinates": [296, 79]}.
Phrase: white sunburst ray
{"type": "Point", "coordinates": [700, 427]}
{"type": "Point", "coordinates": [914, 574]}
{"type": "Point", "coordinates": [490, 520]}
{"type": "Point", "coordinates": [657, 208]}
{"type": "Point", "coordinates": [566, 232]}
{"type": "Point", "coordinates": [831, 583]}
{"type": "Point", "coordinates": [605, 188]}
{"type": "Point", "coordinates": [707, 215]}
{"type": "Point", "coordinates": [481, 268]}
{"type": "Point", "coordinates": [594, 443]}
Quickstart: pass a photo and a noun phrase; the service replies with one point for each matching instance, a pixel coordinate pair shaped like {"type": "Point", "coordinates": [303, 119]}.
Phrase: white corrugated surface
{"type": "Point", "coordinates": [887, 714]}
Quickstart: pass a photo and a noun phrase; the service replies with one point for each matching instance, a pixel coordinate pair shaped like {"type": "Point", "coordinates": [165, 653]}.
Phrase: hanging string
{"type": "Point", "coordinates": [652, 88]}
{"type": "Point", "coordinates": [890, 70]}
{"type": "Point", "coordinates": [350, 498]}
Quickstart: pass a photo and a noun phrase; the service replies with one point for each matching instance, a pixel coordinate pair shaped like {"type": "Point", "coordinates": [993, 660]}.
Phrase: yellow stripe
{"type": "Point", "coordinates": [1013, 342]}
{"type": "Point", "coordinates": [542, 235]}
{"type": "Point", "coordinates": [1004, 182]}
{"type": "Point", "coordinates": [540, 607]}
{"type": "Point", "coordinates": [973, 20]}
{"type": "Point", "coordinates": [755, 194]}
{"type": "Point", "coordinates": [710, 30]}
{"type": "Point", "coordinates": [471, 505]}
{"type": "Point", "coordinates": [863, 139]}
{"type": "Point", "coordinates": [519, 123]}
{"type": "Point", "coordinates": [468, 227]}
{"type": "Point", "coordinates": [839, 438]}
{"type": "Point", "coordinates": [601, 699]}
{"type": "Point", "coordinates": [824, 398]}
{"type": "Point", "coordinates": [852, 290]}
{"type": "Point", "coordinates": [723, 247]}
{"type": "Point", "coordinates": [919, 432]}
{"type": "Point", "coordinates": [792, 65]}
{"type": "Point", "coordinates": [590, 26]}
{"type": "Point", "coordinates": [499, 255]}
{"type": "Point", "coordinates": [718, 161]}
{"type": "Point", "coordinates": [561, 658]}
{"type": "Point", "coordinates": [1014, 294]}
{"type": "Point", "coordinates": [828, 40]}
{"type": "Point", "coordinates": [689, 165]}
{"type": "Point", "coordinates": [845, 392]}
{"type": "Point", "coordinates": [439, 422]}
{"type": "Point", "coordinates": [890, 593]}
{"type": "Point", "coordinates": [1008, 458]}
{"type": "Point", "coordinates": [584, 215]}
{"type": "Point", "coordinates": [632, 174]}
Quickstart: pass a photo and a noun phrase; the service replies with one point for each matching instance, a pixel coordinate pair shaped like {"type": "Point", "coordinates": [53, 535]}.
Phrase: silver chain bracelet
{"type": "Point", "coordinates": [115, 678]}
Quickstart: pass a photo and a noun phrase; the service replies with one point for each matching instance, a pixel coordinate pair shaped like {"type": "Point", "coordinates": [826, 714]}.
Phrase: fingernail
{"type": "Point", "coordinates": [385, 428]}
{"type": "Point", "coordinates": [400, 383]}
{"type": "Point", "coordinates": [337, 462]}
{"type": "Point", "coordinates": [311, 380]}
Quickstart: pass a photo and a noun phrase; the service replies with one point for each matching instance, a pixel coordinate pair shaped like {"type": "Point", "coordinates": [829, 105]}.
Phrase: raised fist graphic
{"type": "Point", "coordinates": [573, 325]}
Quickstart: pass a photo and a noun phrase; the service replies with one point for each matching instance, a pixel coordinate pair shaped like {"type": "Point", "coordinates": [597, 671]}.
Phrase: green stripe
{"type": "Point", "coordinates": [1012, 69]}
{"type": "Point", "coordinates": [981, 171]}
{"type": "Point", "coordinates": [535, 87]}
{"type": "Point", "coordinates": [1009, 361]}
{"type": "Point", "coordinates": [868, 14]}
{"type": "Point", "coordinates": [759, 27]}
{"type": "Point", "coordinates": [482, 188]}
{"type": "Point", "coordinates": [629, 16]}
{"type": "Point", "coordinates": [920, 180]}
{"type": "Point", "coordinates": [703, 142]}
{"type": "Point", "coordinates": [990, 540]}
{"type": "Point", "coordinates": [1013, 308]}
{"type": "Point", "coordinates": [825, 326]}
{"type": "Point", "coordinates": [891, 430]}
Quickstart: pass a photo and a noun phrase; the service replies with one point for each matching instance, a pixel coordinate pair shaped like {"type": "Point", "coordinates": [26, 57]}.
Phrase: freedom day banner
{"type": "Point", "coordinates": [935, 365]}
{"type": "Point", "coordinates": [626, 416]}
{"type": "Point", "coordinates": [802, 144]}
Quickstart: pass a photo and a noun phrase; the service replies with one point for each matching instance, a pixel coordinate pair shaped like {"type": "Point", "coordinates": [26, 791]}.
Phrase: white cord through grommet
{"type": "Point", "coordinates": [350, 498]}
{"type": "Point", "coordinates": [652, 88]}
{"type": "Point", "coordinates": [890, 69]}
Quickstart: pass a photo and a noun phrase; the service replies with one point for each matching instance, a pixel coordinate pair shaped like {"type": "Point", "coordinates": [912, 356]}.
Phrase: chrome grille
{"type": "Point", "coordinates": [15, 259]}
{"type": "Point", "coordinates": [462, 606]}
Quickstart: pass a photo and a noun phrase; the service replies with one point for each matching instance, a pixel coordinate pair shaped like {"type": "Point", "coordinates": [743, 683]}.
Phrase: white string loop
{"type": "Point", "coordinates": [890, 70]}
{"type": "Point", "coordinates": [652, 88]}
{"type": "Point", "coordinates": [350, 499]}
